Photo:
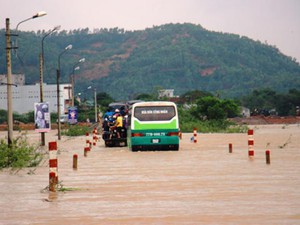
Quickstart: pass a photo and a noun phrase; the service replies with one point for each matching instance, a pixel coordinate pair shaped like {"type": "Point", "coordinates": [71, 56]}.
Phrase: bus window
{"type": "Point", "coordinates": [154, 113]}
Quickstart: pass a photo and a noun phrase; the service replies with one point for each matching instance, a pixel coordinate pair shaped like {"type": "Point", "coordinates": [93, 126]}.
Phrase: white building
{"type": "Point", "coordinates": [169, 93]}
{"type": "Point", "coordinates": [24, 96]}
{"type": "Point", "coordinates": [245, 112]}
{"type": "Point", "coordinates": [17, 79]}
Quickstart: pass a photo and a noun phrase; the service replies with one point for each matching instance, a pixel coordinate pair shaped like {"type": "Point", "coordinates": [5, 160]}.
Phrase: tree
{"type": "Point", "coordinates": [261, 100]}
{"type": "Point", "coordinates": [287, 104]}
{"type": "Point", "coordinates": [230, 107]}
{"type": "Point", "coordinates": [212, 108]}
{"type": "Point", "coordinates": [103, 99]}
{"type": "Point", "coordinates": [191, 96]}
{"type": "Point", "coordinates": [145, 97]}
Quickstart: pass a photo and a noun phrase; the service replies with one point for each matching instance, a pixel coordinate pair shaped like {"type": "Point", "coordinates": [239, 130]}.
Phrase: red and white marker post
{"type": "Point", "coordinates": [75, 161]}
{"type": "Point", "coordinates": [53, 172]}
{"type": "Point", "coordinates": [95, 138]}
{"type": "Point", "coordinates": [230, 147]}
{"type": "Point", "coordinates": [250, 143]}
{"type": "Point", "coordinates": [195, 135]}
{"type": "Point", "coordinates": [268, 157]}
{"type": "Point", "coordinates": [87, 140]}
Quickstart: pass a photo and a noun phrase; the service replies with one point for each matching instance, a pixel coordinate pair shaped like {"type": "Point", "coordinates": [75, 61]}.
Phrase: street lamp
{"type": "Point", "coordinates": [75, 67]}
{"type": "Point", "coordinates": [46, 35]}
{"type": "Point", "coordinates": [57, 87]}
{"type": "Point", "coordinates": [95, 101]}
{"type": "Point", "coordinates": [42, 63]}
{"type": "Point", "coordinates": [71, 86]}
{"type": "Point", "coordinates": [39, 14]}
{"type": "Point", "coordinates": [9, 75]}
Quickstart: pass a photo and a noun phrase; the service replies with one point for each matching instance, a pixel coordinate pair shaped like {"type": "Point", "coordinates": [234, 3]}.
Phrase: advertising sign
{"type": "Point", "coordinates": [42, 120]}
{"type": "Point", "coordinates": [72, 115]}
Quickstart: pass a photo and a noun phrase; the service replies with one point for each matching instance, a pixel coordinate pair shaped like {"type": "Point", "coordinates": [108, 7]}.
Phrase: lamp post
{"type": "Point", "coordinates": [57, 87]}
{"type": "Point", "coordinates": [42, 62]}
{"type": "Point", "coordinates": [95, 101]}
{"type": "Point", "coordinates": [75, 67]}
{"type": "Point", "coordinates": [9, 75]}
{"type": "Point", "coordinates": [39, 14]}
{"type": "Point", "coordinates": [72, 85]}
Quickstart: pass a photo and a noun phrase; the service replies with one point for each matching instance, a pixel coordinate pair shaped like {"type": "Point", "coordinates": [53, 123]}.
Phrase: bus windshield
{"type": "Point", "coordinates": [154, 113]}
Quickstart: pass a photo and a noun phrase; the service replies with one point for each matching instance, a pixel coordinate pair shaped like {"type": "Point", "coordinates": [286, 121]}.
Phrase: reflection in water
{"type": "Point", "coordinates": [52, 196]}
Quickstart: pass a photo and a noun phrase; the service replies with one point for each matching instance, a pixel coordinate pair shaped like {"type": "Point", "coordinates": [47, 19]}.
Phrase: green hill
{"type": "Point", "coordinates": [182, 57]}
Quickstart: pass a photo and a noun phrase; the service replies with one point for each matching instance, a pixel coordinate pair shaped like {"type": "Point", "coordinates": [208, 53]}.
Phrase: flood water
{"type": "Point", "coordinates": [202, 183]}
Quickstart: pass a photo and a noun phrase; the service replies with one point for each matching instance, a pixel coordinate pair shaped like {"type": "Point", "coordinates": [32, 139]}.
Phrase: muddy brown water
{"type": "Point", "coordinates": [201, 183]}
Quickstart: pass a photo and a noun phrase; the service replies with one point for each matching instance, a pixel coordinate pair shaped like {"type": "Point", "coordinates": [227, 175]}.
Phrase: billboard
{"type": "Point", "coordinates": [42, 120]}
{"type": "Point", "coordinates": [72, 115]}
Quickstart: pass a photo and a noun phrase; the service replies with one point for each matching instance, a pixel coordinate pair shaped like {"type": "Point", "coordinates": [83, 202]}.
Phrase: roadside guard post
{"type": "Point", "coordinates": [86, 150]}
{"type": "Point", "coordinates": [195, 135]}
{"type": "Point", "coordinates": [230, 147]}
{"type": "Point", "coordinates": [95, 138]}
{"type": "Point", "coordinates": [53, 173]}
{"type": "Point", "coordinates": [268, 158]}
{"type": "Point", "coordinates": [75, 161]}
{"type": "Point", "coordinates": [250, 143]}
{"type": "Point", "coordinates": [87, 140]}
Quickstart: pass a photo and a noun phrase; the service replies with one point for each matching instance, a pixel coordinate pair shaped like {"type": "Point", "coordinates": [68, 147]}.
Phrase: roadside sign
{"type": "Point", "coordinates": [42, 120]}
{"type": "Point", "coordinates": [72, 115]}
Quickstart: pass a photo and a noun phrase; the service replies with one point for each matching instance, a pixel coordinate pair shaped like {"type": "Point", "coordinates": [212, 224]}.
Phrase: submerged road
{"type": "Point", "coordinates": [201, 183]}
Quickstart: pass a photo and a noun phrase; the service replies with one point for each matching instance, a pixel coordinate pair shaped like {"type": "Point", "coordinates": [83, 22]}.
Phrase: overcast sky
{"type": "Point", "coordinates": [276, 22]}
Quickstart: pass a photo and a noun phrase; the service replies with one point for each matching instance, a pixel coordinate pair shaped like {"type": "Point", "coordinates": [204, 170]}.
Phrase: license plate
{"type": "Point", "coordinates": [155, 141]}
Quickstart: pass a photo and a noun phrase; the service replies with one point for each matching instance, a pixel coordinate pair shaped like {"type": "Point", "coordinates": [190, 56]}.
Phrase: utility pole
{"type": "Point", "coordinates": [9, 84]}
{"type": "Point", "coordinates": [41, 94]}
{"type": "Point", "coordinates": [42, 63]}
{"type": "Point", "coordinates": [58, 103]}
{"type": "Point", "coordinates": [9, 73]}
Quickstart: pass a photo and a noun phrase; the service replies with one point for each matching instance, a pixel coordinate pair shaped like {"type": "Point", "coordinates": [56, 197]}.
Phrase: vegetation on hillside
{"type": "Point", "coordinates": [182, 57]}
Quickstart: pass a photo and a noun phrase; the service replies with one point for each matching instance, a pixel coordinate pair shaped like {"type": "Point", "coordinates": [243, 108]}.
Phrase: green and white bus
{"type": "Point", "coordinates": [153, 126]}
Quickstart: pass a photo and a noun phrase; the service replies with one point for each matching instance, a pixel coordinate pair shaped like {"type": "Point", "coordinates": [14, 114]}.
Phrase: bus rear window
{"type": "Point", "coordinates": [154, 113]}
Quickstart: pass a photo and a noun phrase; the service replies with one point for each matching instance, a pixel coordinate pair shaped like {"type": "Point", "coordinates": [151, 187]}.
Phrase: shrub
{"type": "Point", "coordinates": [76, 130]}
{"type": "Point", "coordinates": [188, 122]}
{"type": "Point", "coordinates": [19, 154]}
